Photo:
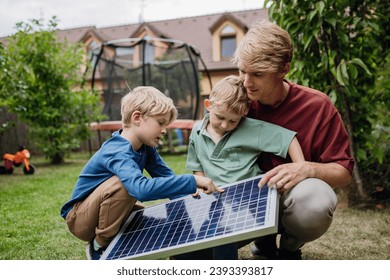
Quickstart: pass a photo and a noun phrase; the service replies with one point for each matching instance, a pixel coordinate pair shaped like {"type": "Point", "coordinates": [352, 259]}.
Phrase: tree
{"type": "Point", "coordinates": [340, 47]}
{"type": "Point", "coordinates": [40, 78]}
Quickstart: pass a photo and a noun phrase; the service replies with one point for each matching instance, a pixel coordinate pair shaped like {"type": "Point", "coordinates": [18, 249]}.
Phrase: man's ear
{"type": "Point", "coordinates": [136, 118]}
{"type": "Point", "coordinates": [285, 70]}
{"type": "Point", "coordinates": [207, 104]}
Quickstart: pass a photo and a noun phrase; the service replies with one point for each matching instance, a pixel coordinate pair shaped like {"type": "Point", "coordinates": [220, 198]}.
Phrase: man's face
{"type": "Point", "coordinates": [260, 86]}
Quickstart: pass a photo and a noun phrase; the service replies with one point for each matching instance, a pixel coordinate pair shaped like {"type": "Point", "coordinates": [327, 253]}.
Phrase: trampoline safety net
{"type": "Point", "coordinates": [170, 66]}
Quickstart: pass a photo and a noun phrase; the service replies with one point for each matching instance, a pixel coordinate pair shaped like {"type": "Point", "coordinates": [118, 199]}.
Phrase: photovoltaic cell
{"type": "Point", "coordinates": [241, 212]}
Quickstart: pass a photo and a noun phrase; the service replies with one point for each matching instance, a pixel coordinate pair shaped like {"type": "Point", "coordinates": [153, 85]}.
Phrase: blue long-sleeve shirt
{"type": "Point", "coordinates": [117, 157]}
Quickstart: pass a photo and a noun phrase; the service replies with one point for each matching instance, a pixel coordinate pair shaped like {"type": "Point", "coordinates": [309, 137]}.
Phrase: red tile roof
{"type": "Point", "coordinates": [194, 31]}
{"type": "Point", "coordinates": [74, 34]}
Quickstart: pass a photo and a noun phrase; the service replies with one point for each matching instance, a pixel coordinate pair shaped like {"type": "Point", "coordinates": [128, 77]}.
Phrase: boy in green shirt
{"type": "Point", "coordinates": [225, 145]}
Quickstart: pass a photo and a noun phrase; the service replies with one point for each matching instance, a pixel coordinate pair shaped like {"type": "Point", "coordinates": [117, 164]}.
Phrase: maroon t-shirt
{"type": "Point", "coordinates": [318, 124]}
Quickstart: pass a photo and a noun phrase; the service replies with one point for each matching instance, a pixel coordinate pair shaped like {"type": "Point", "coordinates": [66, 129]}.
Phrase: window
{"type": "Point", "coordinates": [124, 52]}
{"type": "Point", "coordinates": [228, 30]}
{"type": "Point", "coordinates": [228, 46]}
{"type": "Point", "coordinates": [125, 56]}
{"type": "Point", "coordinates": [225, 34]}
{"type": "Point", "coordinates": [93, 50]}
{"type": "Point", "coordinates": [149, 53]}
{"type": "Point", "coordinates": [149, 50]}
{"type": "Point", "coordinates": [228, 42]}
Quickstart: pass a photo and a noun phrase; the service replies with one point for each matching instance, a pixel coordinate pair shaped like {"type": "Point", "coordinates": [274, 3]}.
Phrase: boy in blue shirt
{"type": "Point", "coordinates": [112, 180]}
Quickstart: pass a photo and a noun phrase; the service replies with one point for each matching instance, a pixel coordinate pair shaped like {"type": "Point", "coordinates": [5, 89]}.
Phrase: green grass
{"type": "Point", "coordinates": [32, 228]}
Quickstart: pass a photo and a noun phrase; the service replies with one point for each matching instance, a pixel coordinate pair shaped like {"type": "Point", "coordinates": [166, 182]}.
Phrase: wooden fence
{"type": "Point", "coordinates": [13, 133]}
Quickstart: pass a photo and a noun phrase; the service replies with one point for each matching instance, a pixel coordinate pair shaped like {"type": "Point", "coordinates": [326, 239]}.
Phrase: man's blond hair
{"type": "Point", "coordinates": [147, 100]}
{"type": "Point", "coordinates": [230, 92]}
{"type": "Point", "coordinates": [265, 48]}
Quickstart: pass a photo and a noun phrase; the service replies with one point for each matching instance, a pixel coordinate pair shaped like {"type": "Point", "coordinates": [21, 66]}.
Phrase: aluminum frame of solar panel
{"type": "Point", "coordinates": [243, 211]}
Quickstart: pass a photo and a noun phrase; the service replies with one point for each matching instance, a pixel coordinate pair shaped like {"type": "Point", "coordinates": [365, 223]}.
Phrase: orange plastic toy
{"type": "Point", "coordinates": [17, 159]}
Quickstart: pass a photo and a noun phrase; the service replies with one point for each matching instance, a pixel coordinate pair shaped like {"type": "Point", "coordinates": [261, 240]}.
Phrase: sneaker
{"type": "Point", "coordinates": [287, 255]}
{"type": "Point", "coordinates": [265, 247]}
{"type": "Point", "coordinates": [92, 254]}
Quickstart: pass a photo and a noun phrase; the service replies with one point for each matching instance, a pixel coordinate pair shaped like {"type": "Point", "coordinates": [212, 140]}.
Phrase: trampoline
{"type": "Point", "coordinates": [169, 65]}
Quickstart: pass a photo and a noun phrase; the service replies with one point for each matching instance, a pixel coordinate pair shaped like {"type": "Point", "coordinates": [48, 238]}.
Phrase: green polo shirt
{"type": "Point", "coordinates": [234, 157]}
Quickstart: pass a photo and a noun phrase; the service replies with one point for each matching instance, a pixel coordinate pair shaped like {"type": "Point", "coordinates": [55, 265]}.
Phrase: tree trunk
{"type": "Point", "coordinates": [357, 184]}
{"type": "Point", "coordinates": [57, 159]}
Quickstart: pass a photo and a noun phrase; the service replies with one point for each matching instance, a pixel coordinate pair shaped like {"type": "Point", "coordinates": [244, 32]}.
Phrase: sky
{"type": "Point", "coordinates": [104, 13]}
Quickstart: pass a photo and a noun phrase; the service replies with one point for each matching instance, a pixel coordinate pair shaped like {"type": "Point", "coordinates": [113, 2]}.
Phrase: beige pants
{"type": "Point", "coordinates": [102, 213]}
{"type": "Point", "coordinates": [306, 213]}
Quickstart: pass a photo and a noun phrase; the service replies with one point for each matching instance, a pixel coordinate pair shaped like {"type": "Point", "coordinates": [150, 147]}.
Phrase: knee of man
{"type": "Point", "coordinates": [309, 207]}
{"type": "Point", "coordinates": [312, 195]}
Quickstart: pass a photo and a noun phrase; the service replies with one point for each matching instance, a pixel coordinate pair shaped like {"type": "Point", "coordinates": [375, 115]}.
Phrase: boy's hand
{"type": "Point", "coordinates": [198, 192]}
{"type": "Point", "coordinates": [206, 184]}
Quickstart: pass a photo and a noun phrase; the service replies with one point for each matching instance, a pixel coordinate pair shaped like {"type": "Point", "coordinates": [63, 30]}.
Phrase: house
{"type": "Point", "coordinates": [215, 36]}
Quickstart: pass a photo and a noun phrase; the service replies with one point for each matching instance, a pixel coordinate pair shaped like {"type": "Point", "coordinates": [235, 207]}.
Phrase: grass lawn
{"type": "Point", "coordinates": [32, 228]}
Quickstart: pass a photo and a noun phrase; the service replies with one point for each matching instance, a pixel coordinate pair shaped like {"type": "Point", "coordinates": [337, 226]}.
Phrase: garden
{"type": "Point", "coordinates": [32, 228]}
{"type": "Point", "coordinates": [341, 48]}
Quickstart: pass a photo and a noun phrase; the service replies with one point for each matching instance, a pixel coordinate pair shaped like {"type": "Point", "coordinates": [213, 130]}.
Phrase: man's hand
{"type": "Point", "coordinates": [286, 176]}
{"type": "Point", "coordinates": [206, 184]}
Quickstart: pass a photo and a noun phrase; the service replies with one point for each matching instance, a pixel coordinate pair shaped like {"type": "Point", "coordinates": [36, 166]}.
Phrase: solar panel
{"type": "Point", "coordinates": [241, 212]}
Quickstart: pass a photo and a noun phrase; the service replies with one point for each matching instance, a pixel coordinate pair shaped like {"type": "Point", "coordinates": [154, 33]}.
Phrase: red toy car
{"type": "Point", "coordinates": [17, 159]}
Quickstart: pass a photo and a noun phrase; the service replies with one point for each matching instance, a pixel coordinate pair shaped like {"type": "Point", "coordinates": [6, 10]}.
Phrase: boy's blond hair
{"type": "Point", "coordinates": [149, 101]}
{"type": "Point", "coordinates": [265, 48]}
{"type": "Point", "coordinates": [230, 92]}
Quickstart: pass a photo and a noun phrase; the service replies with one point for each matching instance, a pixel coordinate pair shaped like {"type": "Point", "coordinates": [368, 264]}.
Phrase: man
{"type": "Point", "coordinates": [308, 201]}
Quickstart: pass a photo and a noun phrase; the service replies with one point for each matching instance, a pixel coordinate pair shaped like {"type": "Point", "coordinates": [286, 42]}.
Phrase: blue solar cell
{"type": "Point", "coordinates": [186, 224]}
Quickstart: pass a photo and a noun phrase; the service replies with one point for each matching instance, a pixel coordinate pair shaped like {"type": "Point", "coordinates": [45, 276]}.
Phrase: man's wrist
{"type": "Point", "coordinates": [310, 170]}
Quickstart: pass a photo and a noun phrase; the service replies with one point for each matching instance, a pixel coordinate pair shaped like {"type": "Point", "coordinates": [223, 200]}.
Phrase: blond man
{"type": "Point", "coordinates": [308, 202]}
